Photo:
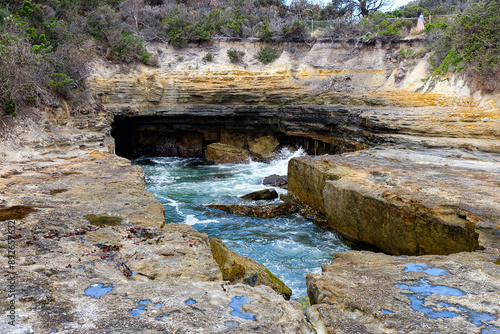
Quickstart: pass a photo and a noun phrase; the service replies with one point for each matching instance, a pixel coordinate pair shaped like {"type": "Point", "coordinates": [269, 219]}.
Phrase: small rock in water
{"type": "Point", "coordinates": [265, 194]}
{"type": "Point", "coordinates": [274, 180]}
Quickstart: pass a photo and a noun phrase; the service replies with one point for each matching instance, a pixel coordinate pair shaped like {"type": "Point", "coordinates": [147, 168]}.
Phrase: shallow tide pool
{"type": "Point", "coordinates": [289, 247]}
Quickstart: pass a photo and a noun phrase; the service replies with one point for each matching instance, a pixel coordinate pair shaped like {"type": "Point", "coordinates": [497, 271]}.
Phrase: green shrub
{"type": "Point", "coordinates": [4, 16]}
{"type": "Point", "coordinates": [472, 46]}
{"type": "Point", "coordinates": [61, 84]}
{"type": "Point", "coordinates": [412, 11]}
{"type": "Point", "coordinates": [235, 23]}
{"type": "Point", "coordinates": [394, 28]}
{"type": "Point", "coordinates": [429, 27]}
{"type": "Point", "coordinates": [295, 32]}
{"type": "Point", "coordinates": [265, 32]}
{"type": "Point", "coordinates": [267, 54]}
{"type": "Point", "coordinates": [10, 105]}
{"type": "Point", "coordinates": [129, 47]}
{"type": "Point", "coordinates": [209, 56]}
{"type": "Point", "coordinates": [235, 55]}
{"type": "Point", "coordinates": [406, 53]}
{"type": "Point", "coordinates": [182, 29]}
{"type": "Point", "coordinates": [145, 56]}
{"type": "Point", "coordinates": [23, 72]}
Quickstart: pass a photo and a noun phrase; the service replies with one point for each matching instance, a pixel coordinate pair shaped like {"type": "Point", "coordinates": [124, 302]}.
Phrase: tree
{"type": "Point", "coordinates": [366, 7]}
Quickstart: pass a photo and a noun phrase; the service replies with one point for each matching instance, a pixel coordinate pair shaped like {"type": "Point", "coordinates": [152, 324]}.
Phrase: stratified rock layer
{"type": "Point", "coordinates": [403, 201]}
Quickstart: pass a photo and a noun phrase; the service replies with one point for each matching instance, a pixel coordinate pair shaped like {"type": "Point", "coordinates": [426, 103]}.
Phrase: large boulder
{"type": "Point", "coordinates": [222, 153]}
{"type": "Point", "coordinates": [263, 148]}
{"type": "Point", "coordinates": [240, 269]}
{"type": "Point", "coordinates": [264, 194]}
{"type": "Point", "coordinates": [404, 202]}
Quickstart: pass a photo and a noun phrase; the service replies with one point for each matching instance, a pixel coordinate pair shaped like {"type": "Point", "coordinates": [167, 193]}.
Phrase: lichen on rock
{"type": "Point", "coordinates": [236, 269]}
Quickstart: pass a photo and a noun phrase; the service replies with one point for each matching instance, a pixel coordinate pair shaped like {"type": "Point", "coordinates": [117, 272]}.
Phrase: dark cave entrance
{"type": "Point", "coordinates": [188, 136]}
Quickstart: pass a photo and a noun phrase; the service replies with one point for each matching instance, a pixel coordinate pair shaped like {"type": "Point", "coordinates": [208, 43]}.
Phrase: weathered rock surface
{"type": "Point", "coordinates": [223, 153]}
{"type": "Point", "coordinates": [92, 255]}
{"type": "Point", "coordinates": [263, 148]}
{"type": "Point", "coordinates": [240, 269]}
{"type": "Point", "coordinates": [264, 194]}
{"type": "Point", "coordinates": [405, 201]}
{"type": "Point", "coordinates": [436, 173]}
{"type": "Point", "coordinates": [364, 292]}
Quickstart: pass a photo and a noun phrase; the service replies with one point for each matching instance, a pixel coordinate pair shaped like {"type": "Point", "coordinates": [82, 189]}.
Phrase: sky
{"type": "Point", "coordinates": [397, 3]}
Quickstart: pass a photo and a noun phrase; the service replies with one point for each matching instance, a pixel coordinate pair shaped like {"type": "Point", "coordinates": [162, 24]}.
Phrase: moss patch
{"type": "Point", "coordinates": [103, 220]}
{"type": "Point", "coordinates": [278, 285]}
{"type": "Point", "coordinates": [16, 212]}
{"type": "Point", "coordinates": [58, 191]}
{"type": "Point", "coordinates": [304, 302]}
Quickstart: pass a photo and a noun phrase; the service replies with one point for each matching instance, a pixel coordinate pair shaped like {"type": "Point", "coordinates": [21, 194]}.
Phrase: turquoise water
{"type": "Point", "coordinates": [289, 247]}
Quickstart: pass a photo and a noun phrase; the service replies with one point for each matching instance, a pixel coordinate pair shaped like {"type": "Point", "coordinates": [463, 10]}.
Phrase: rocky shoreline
{"type": "Point", "coordinates": [93, 254]}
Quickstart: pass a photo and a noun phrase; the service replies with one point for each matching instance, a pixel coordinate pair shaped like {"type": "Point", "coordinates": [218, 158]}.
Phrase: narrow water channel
{"type": "Point", "coordinates": [289, 247]}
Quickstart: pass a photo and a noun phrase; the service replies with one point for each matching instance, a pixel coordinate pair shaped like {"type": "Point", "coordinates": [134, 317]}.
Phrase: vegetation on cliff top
{"type": "Point", "coordinates": [46, 45]}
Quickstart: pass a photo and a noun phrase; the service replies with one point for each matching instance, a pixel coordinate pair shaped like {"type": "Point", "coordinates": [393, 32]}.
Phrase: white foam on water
{"type": "Point", "coordinates": [192, 220]}
{"type": "Point", "coordinates": [289, 246]}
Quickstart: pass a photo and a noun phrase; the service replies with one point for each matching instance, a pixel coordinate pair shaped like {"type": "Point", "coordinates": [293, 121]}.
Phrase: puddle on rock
{"type": "Point", "coordinates": [103, 220]}
{"type": "Point", "coordinates": [423, 268]}
{"type": "Point", "coordinates": [98, 290]}
{"type": "Point", "coordinates": [162, 316]}
{"type": "Point", "coordinates": [384, 311]}
{"type": "Point", "coordinates": [443, 309]}
{"type": "Point", "coordinates": [17, 212]}
{"type": "Point", "coordinates": [236, 304]}
{"type": "Point", "coordinates": [491, 330]}
{"type": "Point", "coordinates": [138, 310]}
{"type": "Point", "coordinates": [426, 289]}
{"type": "Point", "coordinates": [191, 302]}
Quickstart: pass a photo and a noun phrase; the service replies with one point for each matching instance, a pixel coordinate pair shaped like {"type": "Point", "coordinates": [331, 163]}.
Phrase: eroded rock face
{"type": "Point", "coordinates": [404, 201]}
{"type": "Point", "coordinates": [222, 153]}
{"type": "Point", "coordinates": [239, 269]}
{"type": "Point", "coordinates": [263, 148]}
{"type": "Point", "coordinates": [364, 292]}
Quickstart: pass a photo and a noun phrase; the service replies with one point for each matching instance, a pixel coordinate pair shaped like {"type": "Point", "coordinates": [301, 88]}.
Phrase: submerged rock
{"type": "Point", "coordinates": [222, 153]}
{"type": "Point", "coordinates": [274, 180]}
{"type": "Point", "coordinates": [259, 211]}
{"type": "Point", "coordinates": [264, 194]}
{"type": "Point", "coordinates": [240, 269]}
